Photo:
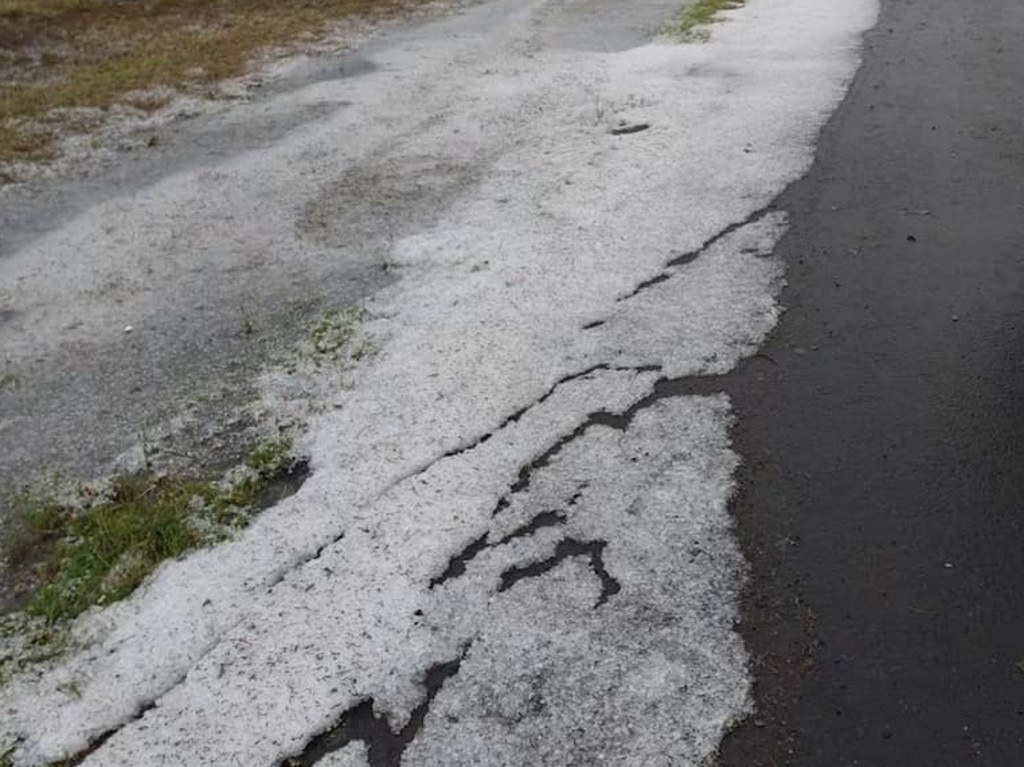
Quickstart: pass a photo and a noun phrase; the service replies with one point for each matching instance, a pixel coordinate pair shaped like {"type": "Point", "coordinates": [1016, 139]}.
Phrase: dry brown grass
{"type": "Point", "coordinates": [95, 53]}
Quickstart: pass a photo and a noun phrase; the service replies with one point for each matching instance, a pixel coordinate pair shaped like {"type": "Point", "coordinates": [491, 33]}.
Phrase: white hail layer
{"type": "Point", "coordinates": [251, 648]}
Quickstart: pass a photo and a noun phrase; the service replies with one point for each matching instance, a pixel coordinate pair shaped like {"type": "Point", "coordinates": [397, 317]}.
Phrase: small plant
{"type": "Point", "coordinates": [270, 456]}
{"type": "Point", "coordinates": [269, 460]}
{"type": "Point", "coordinates": [335, 329]}
{"type": "Point", "coordinates": [693, 22]}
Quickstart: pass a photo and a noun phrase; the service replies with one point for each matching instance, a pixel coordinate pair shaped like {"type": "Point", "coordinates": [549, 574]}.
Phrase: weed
{"type": "Point", "coordinates": [334, 329]}
{"type": "Point", "coordinates": [269, 460]}
{"type": "Point", "coordinates": [269, 457]}
{"type": "Point", "coordinates": [691, 25]}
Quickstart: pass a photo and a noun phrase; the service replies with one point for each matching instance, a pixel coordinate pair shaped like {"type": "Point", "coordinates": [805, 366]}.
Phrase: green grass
{"type": "Point", "coordinates": [102, 555]}
{"type": "Point", "coordinates": [694, 21]}
{"type": "Point", "coordinates": [77, 558]}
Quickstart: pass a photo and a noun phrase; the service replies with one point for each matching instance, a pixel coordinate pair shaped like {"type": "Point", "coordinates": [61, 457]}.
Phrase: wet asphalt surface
{"type": "Point", "coordinates": [883, 427]}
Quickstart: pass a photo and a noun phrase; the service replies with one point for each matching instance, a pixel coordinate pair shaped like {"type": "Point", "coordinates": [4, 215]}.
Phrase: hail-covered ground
{"type": "Point", "coordinates": [515, 546]}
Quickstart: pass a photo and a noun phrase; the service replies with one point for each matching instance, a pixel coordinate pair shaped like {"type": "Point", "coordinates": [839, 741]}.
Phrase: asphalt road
{"type": "Point", "coordinates": [883, 509]}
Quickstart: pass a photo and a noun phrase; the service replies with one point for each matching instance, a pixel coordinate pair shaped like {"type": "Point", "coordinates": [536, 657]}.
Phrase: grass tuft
{"type": "Point", "coordinates": [694, 21]}
{"type": "Point", "coordinates": [80, 557]}
{"type": "Point", "coordinates": [103, 554]}
{"type": "Point", "coordinates": [269, 457]}
{"type": "Point", "coordinates": [334, 329]}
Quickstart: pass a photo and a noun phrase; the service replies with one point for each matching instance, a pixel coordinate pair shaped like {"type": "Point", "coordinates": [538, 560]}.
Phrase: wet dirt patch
{"type": "Point", "coordinates": [401, 196]}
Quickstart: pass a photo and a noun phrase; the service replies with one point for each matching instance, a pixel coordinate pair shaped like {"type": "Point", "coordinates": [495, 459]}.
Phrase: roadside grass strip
{"type": "Point", "coordinates": [693, 23]}
{"type": "Point", "coordinates": [63, 62]}
{"type": "Point", "coordinates": [67, 556]}
{"type": "Point", "coordinates": [100, 548]}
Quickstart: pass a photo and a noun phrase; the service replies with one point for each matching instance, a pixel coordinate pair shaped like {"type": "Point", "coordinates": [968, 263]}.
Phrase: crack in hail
{"type": "Point", "coordinates": [693, 255]}
{"type": "Point", "coordinates": [286, 571]}
{"type": "Point", "coordinates": [360, 722]}
{"type": "Point", "coordinates": [663, 388]}
{"type": "Point", "coordinates": [567, 548]}
{"type": "Point", "coordinates": [458, 563]}
{"type": "Point", "coordinates": [517, 415]}
{"type": "Point", "coordinates": [98, 742]}
{"type": "Point", "coordinates": [521, 482]}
